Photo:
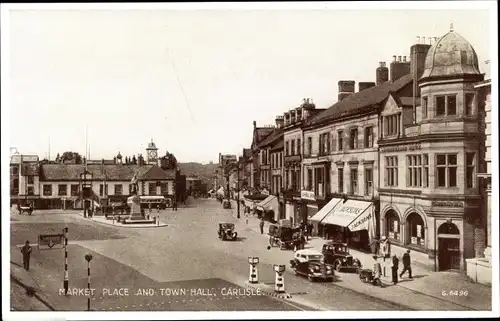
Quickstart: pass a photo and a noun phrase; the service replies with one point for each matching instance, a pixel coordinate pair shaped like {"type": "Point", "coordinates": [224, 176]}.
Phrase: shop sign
{"type": "Point", "coordinates": [307, 195]}
{"type": "Point", "coordinates": [395, 227]}
{"type": "Point", "coordinates": [447, 204]}
{"type": "Point", "coordinates": [419, 230]}
{"type": "Point", "coordinates": [403, 148]}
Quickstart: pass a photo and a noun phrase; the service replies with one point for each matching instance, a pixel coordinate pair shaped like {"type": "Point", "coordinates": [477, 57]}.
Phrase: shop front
{"type": "Point", "coordinates": [292, 204]}
{"type": "Point", "coordinates": [352, 222]}
{"type": "Point", "coordinates": [269, 208]}
{"type": "Point", "coordinates": [317, 218]}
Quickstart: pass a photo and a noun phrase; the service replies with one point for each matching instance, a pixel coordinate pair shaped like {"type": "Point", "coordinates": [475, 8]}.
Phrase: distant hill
{"type": "Point", "coordinates": [205, 171]}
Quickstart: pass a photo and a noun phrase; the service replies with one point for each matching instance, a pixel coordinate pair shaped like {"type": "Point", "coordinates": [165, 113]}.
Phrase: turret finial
{"type": "Point", "coordinates": [451, 26]}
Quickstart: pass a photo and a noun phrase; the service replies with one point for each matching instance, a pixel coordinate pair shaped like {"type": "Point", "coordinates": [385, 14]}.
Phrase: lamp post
{"type": "Point", "coordinates": [88, 257]}
{"type": "Point", "coordinates": [83, 193]}
{"type": "Point", "coordinates": [238, 169]}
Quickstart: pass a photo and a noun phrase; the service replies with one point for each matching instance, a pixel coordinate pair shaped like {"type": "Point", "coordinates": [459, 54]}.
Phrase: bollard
{"type": "Point", "coordinates": [254, 275]}
{"type": "Point", "coordinates": [158, 220]}
{"type": "Point", "coordinates": [279, 284]}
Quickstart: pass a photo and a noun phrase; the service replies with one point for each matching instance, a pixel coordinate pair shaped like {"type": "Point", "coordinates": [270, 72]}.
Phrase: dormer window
{"type": "Point", "coordinates": [446, 105]}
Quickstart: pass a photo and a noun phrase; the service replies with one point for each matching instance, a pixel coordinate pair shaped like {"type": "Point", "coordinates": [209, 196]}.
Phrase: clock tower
{"type": "Point", "coordinates": [152, 153]}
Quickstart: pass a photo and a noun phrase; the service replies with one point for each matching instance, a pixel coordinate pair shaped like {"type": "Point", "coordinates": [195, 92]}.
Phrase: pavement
{"type": "Point", "coordinates": [444, 290]}
{"type": "Point", "coordinates": [187, 254]}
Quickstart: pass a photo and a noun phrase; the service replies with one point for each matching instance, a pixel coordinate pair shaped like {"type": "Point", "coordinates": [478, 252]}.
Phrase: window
{"type": "Point", "coordinates": [440, 105]}
{"type": "Point", "coordinates": [354, 181]}
{"type": "Point", "coordinates": [118, 189]}
{"type": "Point", "coordinates": [164, 188]}
{"type": "Point", "coordinates": [47, 190]}
{"type": "Point", "coordinates": [368, 137]}
{"type": "Point", "coordinates": [341, 180]}
{"type": "Point", "coordinates": [391, 171]}
{"type": "Point", "coordinates": [446, 165]}
{"type": "Point", "coordinates": [425, 169]}
{"type": "Point", "coordinates": [103, 190]}
{"type": "Point", "coordinates": [309, 145]}
{"type": "Point", "coordinates": [286, 148]}
{"type": "Point", "coordinates": [324, 144]}
{"type": "Point", "coordinates": [368, 181]}
{"type": "Point", "coordinates": [470, 161]}
{"type": "Point", "coordinates": [319, 181]}
{"type": "Point", "coordinates": [424, 107]}
{"type": "Point", "coordinates": [75, 190]}
{"type": "Point", "coordinates": [340, 140]}
{"type": "Point", "coordinates": [414, 171]}
{"type": "Point", "coordinates": [293, 147]}
{"type": "Point", "coordinates": [62, 190]}
{"type": "Point", "coordinates": [353, 139]}
{"type": "Point", "coordinates": [309, 179]}
{"type": "Point", "coordinates": [31, 179]}
{"type": "Point", "coordinates": [15, 170]}
{"type": "Point", "coordinates": [31, 190]}
{"type": "Point", "coordinates": [298, 147]}
{"type": "Point", "coordinates": [469, 101]}
{"type": "Point", "coordinates": [392, 225]}
{"type": "Point", "coordinates": [392, 125]}
{"type": "Point", "coordinates": [446, 105]}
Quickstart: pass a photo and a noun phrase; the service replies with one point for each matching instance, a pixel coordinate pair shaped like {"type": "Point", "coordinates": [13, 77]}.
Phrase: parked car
{"type": "Point", "coordinates": [226, 232]}
{"type": "Point", "coordinates": [310, 263]}
{"type": "Point", "coordinates": [337, 254]}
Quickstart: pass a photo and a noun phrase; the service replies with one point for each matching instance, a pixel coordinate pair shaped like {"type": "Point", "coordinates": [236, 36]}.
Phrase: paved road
{"type": "Point", "coordinates": [185, 254]}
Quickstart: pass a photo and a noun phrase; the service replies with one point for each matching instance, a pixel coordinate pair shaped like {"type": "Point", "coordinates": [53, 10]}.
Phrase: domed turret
{"type": "Point", "coordinates": [451, 55]}
{"type": "Point", "coordinates": [119, 156]}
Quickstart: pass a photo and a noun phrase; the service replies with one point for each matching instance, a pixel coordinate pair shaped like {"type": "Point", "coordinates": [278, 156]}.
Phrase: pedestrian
{"type": "Point", "coordinates": [374, 245]}
{"type": "Point", "coordinates": [377, 272]}
{"type": "Point", "coordinates": [175, 204]}
{"type": "Point", "coordinates": [26, 250]}
{"type": "Point", "coordinates": [19, 208]}
{"type": "Point", "coordinates": [309, 230]}
{"type": "Point", "coordinates": [149, 207]}
{"type": "Point", "coordinates": [261, 225]}
{"type": "Point", "coordinates": [158, 209]}
{"type": "Point", "coordinates": [394, 268]}
{"type": "Point", "coordinates": [386, 248]}
{"type": "Point", "coordinates": [406, 264]}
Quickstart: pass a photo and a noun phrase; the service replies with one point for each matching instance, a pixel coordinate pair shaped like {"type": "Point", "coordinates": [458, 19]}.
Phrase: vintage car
{"type": "Point", "coordinates": [226, 203]}
{"type": "Point", "coordinates": [285, 237]}
{"type": "Point", "coordinates": [310, 263]}
{"type": "Point", "coordinates": [26, 209]}
{"type": "Point", "coordinates": [226, 232]}
{"type": "Point", "coordinates": [337, 254]}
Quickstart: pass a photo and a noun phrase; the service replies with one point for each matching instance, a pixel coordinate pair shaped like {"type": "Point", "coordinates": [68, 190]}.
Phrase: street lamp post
{"type": "Point", "coordinates": [83, 194]}
{"type": "Point", "coordinates": [88, 257]}
{"type": "Point", "coordinates": [238, 169]}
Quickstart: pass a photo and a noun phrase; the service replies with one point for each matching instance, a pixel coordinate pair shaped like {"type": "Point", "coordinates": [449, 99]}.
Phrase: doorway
{"type": "Point", "coordinates": [449, 254]}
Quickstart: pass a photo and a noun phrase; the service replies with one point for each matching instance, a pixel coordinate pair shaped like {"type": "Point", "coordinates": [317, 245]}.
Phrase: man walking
{"type": "Point", "coordinates": [406, 264]}
{"type": "Point", "coordinates": [26, 250]}
{"type": "Point", "coordinates": [261, 225]}
{"type": "Point", "coordinates": [394, 268]}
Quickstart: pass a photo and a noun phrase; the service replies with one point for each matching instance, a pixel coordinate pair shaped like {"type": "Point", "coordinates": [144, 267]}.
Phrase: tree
{"type": "Point", "coordinates": [134, 160]}
{"type": "Point", "coordinates": [169, 161]}
{"type": "Point", "coordinates": [69, 156]}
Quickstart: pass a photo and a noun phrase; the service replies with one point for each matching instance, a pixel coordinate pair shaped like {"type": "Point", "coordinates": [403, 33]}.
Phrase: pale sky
{"type": "Point", "coordinates": [125, 73]}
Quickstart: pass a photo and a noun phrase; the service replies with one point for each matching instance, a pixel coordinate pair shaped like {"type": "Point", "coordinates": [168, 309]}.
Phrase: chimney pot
{"type": "Point", "coordinates": [423, 40]}
{"type": "Point", "coordinates": [399, 58]}
{"type": "Point", "coordinates": [418, 39]}
{"type": "Point", "coordinates": [404, 58]}
{"type": "Point", "coordinates": [393, 58]}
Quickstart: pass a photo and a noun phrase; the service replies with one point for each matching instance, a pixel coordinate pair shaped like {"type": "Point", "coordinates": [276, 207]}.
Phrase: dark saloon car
{"type": "Point", "coordinates": [310, 263]}
{"type": "Point", "coordinates": [337, 254]}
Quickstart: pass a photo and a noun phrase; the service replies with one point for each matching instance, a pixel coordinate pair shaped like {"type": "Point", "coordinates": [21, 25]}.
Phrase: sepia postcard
{"type": "Point", "coordinates": [282, 160]}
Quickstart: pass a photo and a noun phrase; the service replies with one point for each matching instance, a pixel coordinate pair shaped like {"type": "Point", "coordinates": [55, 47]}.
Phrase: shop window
{"type": "Point", "coordinates": [368, 181]}
{"type": "Point", "coordinates": [368, 139]}
{"type": "Point", "coordinates": [446, 165]}
{"type": "Point", "coordinates": [391, 171]}
{"type": "Point", "coordinates": [416, 230]}
{"type": "Point", "coordinates": [470, 170]}
{"type": "Point", "coordinates": [392, 225]}
{"type": "Point", "coordinates": [340, 138]}
{"type": "Point", "coordinates": [469, 104]}
{"type": "Point", "coordinates": [118, 189]}
{"type": "Point", "coordinates": [340, 176]}
{"type": "Point", "coordinates": [354, 181]}
{"type": "Point", "coordinates": [75, 190]}
{"type": "Point", "coordinates": [62, 190]}
{"type": "Point", "coordinates": [31, 179]}
{"type": "Point", "coordinates": [47, 190]}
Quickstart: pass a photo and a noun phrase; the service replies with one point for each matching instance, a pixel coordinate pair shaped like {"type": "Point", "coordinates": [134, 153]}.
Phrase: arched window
{"type": "Point", "coordinates": [415, 230]}
{"type": "Point", "coordinates": [392, 230]}
{"type": "Point", "coordinates": [448, 228]}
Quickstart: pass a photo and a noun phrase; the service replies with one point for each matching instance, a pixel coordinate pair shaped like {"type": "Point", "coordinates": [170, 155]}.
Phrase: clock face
{"type": "Point", "coordinates": [152, 154]}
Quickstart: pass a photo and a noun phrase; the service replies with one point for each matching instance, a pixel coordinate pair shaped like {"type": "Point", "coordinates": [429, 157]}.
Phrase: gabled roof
{"type": "Point", "coordinates": [259, 134]}
{"type": "Point", "coordinates": [279, 145]}
{"type": "Point", "coordinates": [275, 135]}
{"type": "Point", "coordinates": [71, 172]}
{"type": "Point", "coordinates": [357, 101]}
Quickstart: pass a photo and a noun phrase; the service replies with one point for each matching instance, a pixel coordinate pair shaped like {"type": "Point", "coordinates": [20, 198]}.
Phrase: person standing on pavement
{"type": "Point", "coordinates": [26, 250]}
{"type": "Point", "coordinates": [261, 225]}
{"type": "Point", "coordinates": [377, 272]}
{"type": "Point", "coordinates": [386, 248]}
{"type": "Point", "coordinates": [374, 245]}
{"type": "Point", "coordinates": [394, 268]}
{"type": "Point", "coordinates": [309, 230]}
{"type": "Point", "coordinates": [406, 264]}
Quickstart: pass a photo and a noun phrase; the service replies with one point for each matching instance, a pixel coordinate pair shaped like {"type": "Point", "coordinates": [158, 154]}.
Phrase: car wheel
{"type": "Point", "coordinates": [338, 266]}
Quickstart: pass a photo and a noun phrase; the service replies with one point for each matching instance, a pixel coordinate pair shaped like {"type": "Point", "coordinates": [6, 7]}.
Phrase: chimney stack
{"type": "Point", "coordinates": [393, 58]}
{"type": "Point", "coordinates": [346, 88]}
{"type": "Point", "coordinates": [254, 124]}
{"type": "Point", "coordinates": [399, 69]}
{"type": "Point", "coordinates": [418, 53]}
{"type": "Point", "coordinates": [280, 121]}
{"type": "Point", "coordinates": [382, 73]}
